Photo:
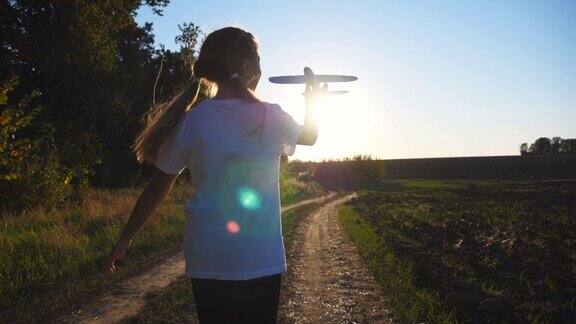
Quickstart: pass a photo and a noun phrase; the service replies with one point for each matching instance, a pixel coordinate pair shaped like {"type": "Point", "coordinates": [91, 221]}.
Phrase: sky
{"type": "Point", "coordinates": [435, 78]}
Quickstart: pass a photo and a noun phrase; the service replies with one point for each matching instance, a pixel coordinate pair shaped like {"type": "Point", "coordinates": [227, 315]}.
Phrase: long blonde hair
{"type": "Point", "coordinates": [221, 56]}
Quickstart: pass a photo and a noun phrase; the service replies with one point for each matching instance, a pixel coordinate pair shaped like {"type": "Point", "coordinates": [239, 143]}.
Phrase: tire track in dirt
{"type": "Point", "coordinates": [327, 281]}
{"type": "Point", "coordinates": [128, 298]}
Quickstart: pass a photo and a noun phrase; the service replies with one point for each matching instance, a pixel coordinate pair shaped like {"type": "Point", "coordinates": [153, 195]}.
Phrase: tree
{"type": "Point", "coordinates": [524, 149]}
{"type": "Point", "coordinates": [544, 145]}
{"type": "Point", "coordinates": [555, 144]}
{"type": "Point", "coordinates": [188, 39]}
{"type": "Point", "coordinates": [95, 68]}
{"type": "Point", "coordinates": [568, 146]}
{"type": "Point", "coordinates": [541, 146]}
{"type": "Point", "coordinates": [30, 169]}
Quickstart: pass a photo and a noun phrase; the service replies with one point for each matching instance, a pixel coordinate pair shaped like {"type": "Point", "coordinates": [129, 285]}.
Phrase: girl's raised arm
{"type": "Point", "coordinates": [309, 133]}
{"type": "Point", "coordinates": [147, 203]}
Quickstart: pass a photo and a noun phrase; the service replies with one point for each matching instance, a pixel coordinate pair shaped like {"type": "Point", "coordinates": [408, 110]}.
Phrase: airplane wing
{"type": "Point", "coordinates": [332, 93]}
{"type": "Point", "coordinates": [321, 78]}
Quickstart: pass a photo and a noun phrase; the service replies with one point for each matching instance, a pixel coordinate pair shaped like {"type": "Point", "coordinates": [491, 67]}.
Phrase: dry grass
{"type": "Point", "coordinates": [59, 253]}
{"type": "Point", "coordinates": [52, 260]}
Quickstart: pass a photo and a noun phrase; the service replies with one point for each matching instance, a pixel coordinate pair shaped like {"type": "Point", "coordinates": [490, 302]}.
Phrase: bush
{"type": "Point", "coordinates": [30, 169]}
{"type": "Point", "coordinates": [292, 188]}
{"type": "Point", "coordinates": [361, 171]}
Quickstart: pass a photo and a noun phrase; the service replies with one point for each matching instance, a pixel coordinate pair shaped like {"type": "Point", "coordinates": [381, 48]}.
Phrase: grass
{"type": "Point", "coordinates": [410, 302]}
{"type": "Point", "coordinates": [499, 251]}
{"type": "Point", "coordinates": [48, 259]}
{"type": "Point", "coordinates": [294, 190]}
{"type": "Point", "coordinates": [51, 261]}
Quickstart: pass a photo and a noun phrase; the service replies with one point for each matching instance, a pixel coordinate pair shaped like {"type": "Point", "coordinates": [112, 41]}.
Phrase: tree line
{"type": "Point", "coordinates": [76, 79]}
{"type": "Point", "coordinates": [554, 145]}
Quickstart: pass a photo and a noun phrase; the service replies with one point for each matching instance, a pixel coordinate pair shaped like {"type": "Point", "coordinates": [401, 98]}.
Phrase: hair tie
{"type": "Point", "coordinates": [196, 79]}
{"type": "Point", "coordinates": [234, 76]}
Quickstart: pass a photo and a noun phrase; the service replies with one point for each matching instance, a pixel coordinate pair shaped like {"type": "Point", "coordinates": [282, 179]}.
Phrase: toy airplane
{"type": "Point", "coordinates": [312, 81]}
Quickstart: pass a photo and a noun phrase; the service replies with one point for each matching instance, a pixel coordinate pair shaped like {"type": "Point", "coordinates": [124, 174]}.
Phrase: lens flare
{"type": "Point", "coordinates": [249, 198]}
{"type": "Point", "coordinates": [232, 227]}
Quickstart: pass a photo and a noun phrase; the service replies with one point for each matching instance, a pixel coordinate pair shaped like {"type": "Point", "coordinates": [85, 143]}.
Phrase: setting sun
{"type": "Point", "coordinates": [345, 121]}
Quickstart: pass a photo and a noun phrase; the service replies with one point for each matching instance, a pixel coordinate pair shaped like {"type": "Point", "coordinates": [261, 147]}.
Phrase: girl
{"type": "Point", "coordinates": [231, 143]}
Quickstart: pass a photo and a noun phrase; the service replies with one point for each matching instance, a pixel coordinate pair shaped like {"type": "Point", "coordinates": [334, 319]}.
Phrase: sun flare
{"type": "Point", "coordinates": [344, 121]}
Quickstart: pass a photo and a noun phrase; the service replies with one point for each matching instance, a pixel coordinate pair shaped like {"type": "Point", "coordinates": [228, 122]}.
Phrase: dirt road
{"type": "Point", "coordinates": [327, 281]}
{"type": "Point", "coordinates": [127, 298]}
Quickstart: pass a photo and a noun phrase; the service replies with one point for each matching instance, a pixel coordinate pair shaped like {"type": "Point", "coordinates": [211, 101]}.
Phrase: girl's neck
{"type": "Point", "coordinates": [225, 92]}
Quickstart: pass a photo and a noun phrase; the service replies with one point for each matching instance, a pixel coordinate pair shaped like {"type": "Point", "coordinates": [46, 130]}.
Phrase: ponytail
{"type": "Point", "coordinates": [162, 121]}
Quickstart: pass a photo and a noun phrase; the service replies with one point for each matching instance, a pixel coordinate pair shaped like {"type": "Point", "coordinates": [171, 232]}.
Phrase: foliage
{"type": "Point", "coordinates": [188, 39]}
{"type": "Point", "coordinates": [554, 145]}
{"type": "Point", "coordinates": [293, 187]}
{"type": "Point", "coordinates": [360, 171]}
{"type": "Point", "coordinates": [365, 171]}
{"type": "Point", "coordinates": [96, 69]}
{"type": "Point", "coordinates": [49, 259]}
{"type": "Point", "coordinates": [14, 149]}
{"type": "Point", "coordinates": [30, 170]}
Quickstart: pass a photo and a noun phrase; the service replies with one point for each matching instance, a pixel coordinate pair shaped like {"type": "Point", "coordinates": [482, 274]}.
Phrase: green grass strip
{"type": "Point", "coordinates": [410, 302]}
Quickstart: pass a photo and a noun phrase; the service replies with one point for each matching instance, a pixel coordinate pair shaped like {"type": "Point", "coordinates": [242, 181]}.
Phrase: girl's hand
{"type": "Point", "coordinates": [312, 86]}
{"type": "Point", "coordinates": [117, 253]}
{"type": "Point", "coordinates": [154, 193]}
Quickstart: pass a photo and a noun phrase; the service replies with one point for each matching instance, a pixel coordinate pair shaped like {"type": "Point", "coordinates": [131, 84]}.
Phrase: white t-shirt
{"type": "Point", "coordinates": [233, 228]}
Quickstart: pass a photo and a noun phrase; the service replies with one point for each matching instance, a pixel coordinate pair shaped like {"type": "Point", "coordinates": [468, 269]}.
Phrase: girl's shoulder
{"type": "Point", "coordinates": [197, 112]}
{"type": "Point", "coordinates": [275, 109]}
{"type": "Point", "coordinates": [272, 107]}
{"type": "Point", "coordinates": [200, 108]}
{"type": "Point", "coordinates": [205, 108]}
{"type": "Point", "coordinates": [193, 117]}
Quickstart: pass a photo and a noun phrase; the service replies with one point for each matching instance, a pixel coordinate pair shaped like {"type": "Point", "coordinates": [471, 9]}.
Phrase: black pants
{"type": "Point", "coordinates": [237, 301]}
